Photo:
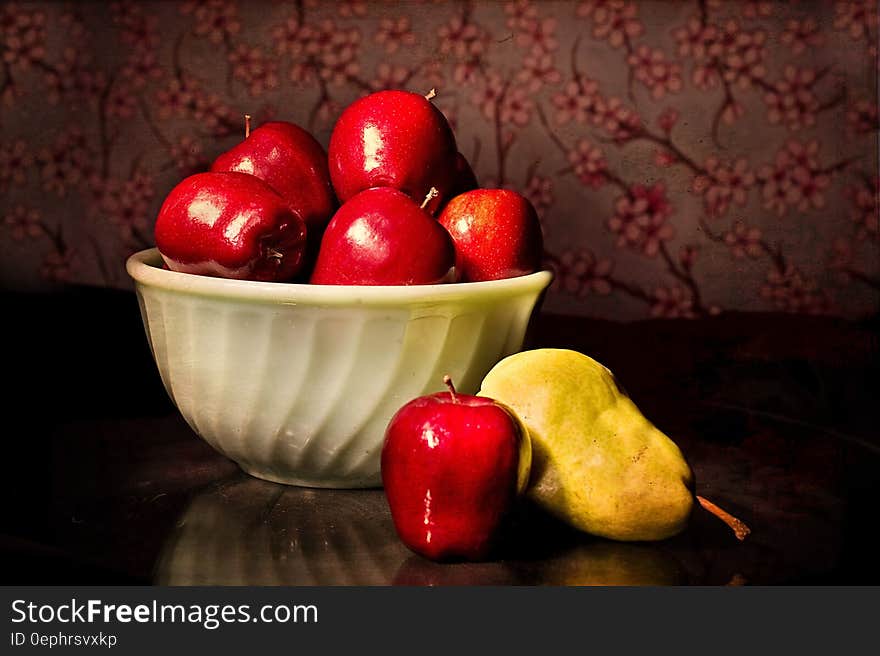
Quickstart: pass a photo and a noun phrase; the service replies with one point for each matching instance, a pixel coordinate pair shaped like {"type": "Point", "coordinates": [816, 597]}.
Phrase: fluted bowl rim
{"type": "Point", "coordinates": [145, 267]}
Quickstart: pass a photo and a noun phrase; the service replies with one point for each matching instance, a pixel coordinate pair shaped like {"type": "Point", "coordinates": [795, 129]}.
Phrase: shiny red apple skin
{"type": "Point", "coordinates": [293, 163]}
{"type": "Point", "coordinates": [230, 225]}
{"type": "Point", "coordinates": [453, 467]}
{"type": "Point", "coordinates": [496, 232]}
{"type": "Point", "coordinates": [382, 237]}
{"type": "Point", "coordinates": [393, 139]}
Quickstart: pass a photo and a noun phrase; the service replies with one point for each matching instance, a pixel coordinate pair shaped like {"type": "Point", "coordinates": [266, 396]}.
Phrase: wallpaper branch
{"type": "Point", "coordinates": [686, 158]}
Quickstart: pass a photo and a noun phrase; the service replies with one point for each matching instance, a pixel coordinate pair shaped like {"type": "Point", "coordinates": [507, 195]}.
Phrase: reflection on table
{"type": "Point", "coordinates": [251, 532]}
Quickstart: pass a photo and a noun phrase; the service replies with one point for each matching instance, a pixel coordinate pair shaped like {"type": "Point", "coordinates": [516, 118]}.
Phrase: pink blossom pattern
{"type": "Point", "coordinates": [462, 39]}
{"type": "Point", "coordinates": [865, 211]}
{"type": "Point", "coordinates": [520, 14]}
{"type": "Point", "coordinates": [59, 265]}
{"type": "Point", "coordinates": [254, 69]}
{"type": "Point", "coordinates": [858, 18]}
{"type": "Point", "coordinates": [516, 107]}
{"type": "Point", "coordinates": [73, 77]}
{"type": "Point", "coordinates": [188, 155]}
{"type": "Point", "coordinates": [288, 38]}
{"type": "Point", "coordinates": [744, 241]}
{"type": "Point", "coordinates": [538, 70]}
{"type": "Point", "coordinates": [352, 8]}
{"type": "Point", "coordinates": [322, 49]}
{"type": "Point", "coordinates": [177, 98]}
{"type": "Point", "coordinates": [24, 223]}
{"type": "Point", "coordinates": [22, 37]}
{"type": "Point", "coordinates": [722, 184]}
{"type": "Point", "coordinates": [489, 95]}
{"type": "Point", "coordinates": [394, 33]}
{"type": "Point", "coordinates": [799, 35]}
{"type": "Point", "coordinates": [615, 21]}
{"type": "Point", "coordinates": [581, 273]}
{"type": "Point", "coordinates": [467, 42]}
{"type": "Point", "coordinates": [125, 204]}
{"type": "Point", "coordinates": [861, 117]}
{"type": "Point", "coordinates": [794, 179]}
{"type": "Point", "coordinates": [664, 158]}
{"type": "Point", "coordinates": [651, 68]}
{"type": "Point", "coordinates": [792, 101]}
{"type": "Point", "coordinates": [215, 20]}
{"type": "Point", "coordinates": [576, 101]}
{"type": "Point", "coordinates": [121, 102]}
{"type": "Point", "coordinates": [389, 76]}
{"type": "Point", "coordinates": [67, 163]}
{"type": "Point", "coordinates": [15, 159]}
{"type": "Point", "coordinates": [672, 302]}
{"type": "Point", "coordinates": [588, 163]}
{"type": "Point", "coordinates": [616, 119]}
{"type": "Point", "coordinates": [141, 69]}
{"type": "Point", "coordinates": [722, 53]}
{"type": "Point", "coordinates": [789, 290]}
{"type": "Point", "coordinates": [539, 191]}
{"type": "Point", "coordinates": [433, 74]}
{"type": "Point", "coordinates": [757, 8]}
{"type": "Point", "coordinates": [640, 219]}
{"type": "Point", "coordinates": [184, 97]}
{"type": "Point", "coordinates": [840, 257]}
{"type": "Point", "coordinates": [538, 36]}
{"type": "Point", "coordinates": [137, 29]}
{"type": "Point", "coordinates": [498, 99]}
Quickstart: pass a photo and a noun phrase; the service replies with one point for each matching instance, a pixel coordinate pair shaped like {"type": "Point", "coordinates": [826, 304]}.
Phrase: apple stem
{"type": "Point", "coordinates": [272, 252]}
{"type": "Point", "coordinates": [247, 125]}
{"type": "Point", "coordinates": [431, 94]}
{"type": "Point", "coordinates": [432, 193]}
{"type": "Point", "coordinates": [447, 380]}
{"type": "Point", "coordinates": [740, 530]}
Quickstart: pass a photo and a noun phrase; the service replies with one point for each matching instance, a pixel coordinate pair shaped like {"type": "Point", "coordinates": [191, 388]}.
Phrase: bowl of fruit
{"type": "Point", "coordinates": [298, 297]}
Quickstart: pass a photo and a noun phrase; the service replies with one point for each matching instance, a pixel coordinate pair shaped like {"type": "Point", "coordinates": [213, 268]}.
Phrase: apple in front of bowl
{"type": "Point", "coordinates": [230, 225]}
{"type": "Point", "coordinates": [496, 232]}
{"type": "Point", "coordinates": [382, 237]}
{"type": "Point", "coordinates": [452, 467]}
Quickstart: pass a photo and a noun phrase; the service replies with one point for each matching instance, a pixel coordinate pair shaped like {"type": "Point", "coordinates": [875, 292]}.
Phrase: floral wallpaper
{"type": "Point", "coordinates": [686, 158]}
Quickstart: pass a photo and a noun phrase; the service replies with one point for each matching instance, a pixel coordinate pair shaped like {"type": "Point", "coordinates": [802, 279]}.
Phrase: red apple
{"type": "Point", "coordinates": [496, 233]}
{"type": "Point", "coordinates": [294, 164]}
{"type": "Point", "coordinates": [230, 225]}
{"type": "Point", "coordinates": [393, 139]}
{"type": "Point", "coordinates": [382, 237]}
{"type": "Point", "coordinates": [465, 178]}
{"type": "Point", "coordinates": [452, 467]}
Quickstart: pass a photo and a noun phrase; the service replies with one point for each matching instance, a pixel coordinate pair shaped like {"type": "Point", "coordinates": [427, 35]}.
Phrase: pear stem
{"type": "Point", "coordinates": [432, 193]}
{"type": "Point", "coordinates": [431, 94]}
{"type": "Point", "coordinates": [247, 125]}
{"type": "Point", "coordinates": [740, 530]}
{"type": "Point", "coordinates": [447, 380]}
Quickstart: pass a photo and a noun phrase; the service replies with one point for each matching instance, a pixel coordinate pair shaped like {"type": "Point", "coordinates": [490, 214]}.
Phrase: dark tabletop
{"type": "Point", "coordinates": [104, 483]}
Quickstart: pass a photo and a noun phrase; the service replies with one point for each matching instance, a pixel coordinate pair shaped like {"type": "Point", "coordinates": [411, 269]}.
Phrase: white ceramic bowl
{"type": "Point", "coordinates": [296, 383]}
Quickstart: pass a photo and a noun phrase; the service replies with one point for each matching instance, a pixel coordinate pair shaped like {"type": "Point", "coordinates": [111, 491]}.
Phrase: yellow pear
{"type": "Point", "coordinates": [597, 463]}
